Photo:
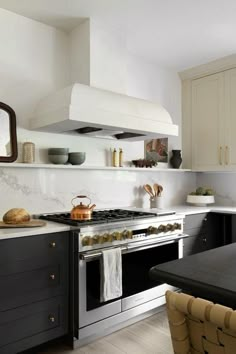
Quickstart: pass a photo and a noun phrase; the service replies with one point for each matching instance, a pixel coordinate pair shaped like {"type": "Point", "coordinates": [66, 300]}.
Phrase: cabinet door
{"type": "Point", "coordinates": [230, 118]}
{"type": "Point", "coordinates": [207, 125]}
{"type": "Point", "coordinates": [194, 244]}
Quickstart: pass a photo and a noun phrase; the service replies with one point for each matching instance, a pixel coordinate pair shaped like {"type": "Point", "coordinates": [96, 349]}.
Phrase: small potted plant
{"type": "Point", "coordinates": [201, 197]}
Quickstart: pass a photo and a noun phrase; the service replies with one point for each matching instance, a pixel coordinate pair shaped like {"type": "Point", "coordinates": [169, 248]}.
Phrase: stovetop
{"type": "Point", "coordinates": [101, 217]}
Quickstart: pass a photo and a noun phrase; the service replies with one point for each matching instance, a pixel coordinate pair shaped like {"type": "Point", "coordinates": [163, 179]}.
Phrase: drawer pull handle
{"type": "Point", "coordinates": [220, 158]}
{"type": "Point", "coordinates": [53, 244]}
{"type": "Point", "coordinates": [52, 276]}
{"type": "Point", "coordinates": [204, 240]}
{"type": "Point", "coordinates": [226, 155]}
{"type": "Point", "coordinates": [51, 318]}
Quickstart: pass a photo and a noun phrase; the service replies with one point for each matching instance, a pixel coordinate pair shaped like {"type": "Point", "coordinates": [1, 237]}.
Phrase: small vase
{"type": "Point", "coordinates": [176, 159]}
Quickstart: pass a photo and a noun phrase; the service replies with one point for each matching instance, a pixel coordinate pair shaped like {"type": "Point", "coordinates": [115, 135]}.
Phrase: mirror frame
{"type": "Point", "coordinates": [12, 125]}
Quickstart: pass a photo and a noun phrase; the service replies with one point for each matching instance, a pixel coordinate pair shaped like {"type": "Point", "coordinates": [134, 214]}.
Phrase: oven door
{"type": "Point", "coordinates": [138, 288]}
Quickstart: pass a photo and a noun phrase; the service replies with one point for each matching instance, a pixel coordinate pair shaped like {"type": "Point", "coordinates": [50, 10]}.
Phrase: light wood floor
{"type": "Point", "coordinates": [150, 336]}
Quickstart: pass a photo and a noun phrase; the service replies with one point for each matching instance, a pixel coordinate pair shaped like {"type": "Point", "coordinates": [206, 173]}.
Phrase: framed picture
{"type": "Point", "coordinates": [157, 150]}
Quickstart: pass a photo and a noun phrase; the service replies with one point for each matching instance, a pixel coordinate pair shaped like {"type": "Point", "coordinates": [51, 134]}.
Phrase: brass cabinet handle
{"type": "Point", "coordinates": [220, 155]}
{"type": "Point", "coordinates": [52, 244]}
{"type": "Point", "coordinates": [52, 276]}
{"type": "Point", "coordinates": [226, 155]}
{"type": "Point", "coordinates": [51, 318]}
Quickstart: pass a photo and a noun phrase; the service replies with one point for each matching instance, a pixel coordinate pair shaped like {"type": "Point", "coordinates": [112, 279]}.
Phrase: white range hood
{"type": "Point", "coordinates": [82, 109]}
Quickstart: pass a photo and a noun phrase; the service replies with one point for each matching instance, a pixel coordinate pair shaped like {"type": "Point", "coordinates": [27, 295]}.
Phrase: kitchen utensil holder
{"type": "Point", "coordinates": [156, 202]}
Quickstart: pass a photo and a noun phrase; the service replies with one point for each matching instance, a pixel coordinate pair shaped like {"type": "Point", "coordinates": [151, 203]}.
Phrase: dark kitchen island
{"type": "Point", "coordinates": [210, 274]}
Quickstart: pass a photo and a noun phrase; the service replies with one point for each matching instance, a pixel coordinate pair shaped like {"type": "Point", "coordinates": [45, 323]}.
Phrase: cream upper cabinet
{"type": "Point", "coordinates": [230, 118]}
{"type": "Point", "coordinates": [208, 123]}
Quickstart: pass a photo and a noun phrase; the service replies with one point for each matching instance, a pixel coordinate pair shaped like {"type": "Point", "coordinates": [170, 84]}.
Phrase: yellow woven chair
{"type": "Point", "coordinates": [199, 326]}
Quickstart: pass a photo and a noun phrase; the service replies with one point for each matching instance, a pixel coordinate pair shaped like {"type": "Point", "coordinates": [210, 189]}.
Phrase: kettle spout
{"type": "Point", "coordinates": [91, 207]}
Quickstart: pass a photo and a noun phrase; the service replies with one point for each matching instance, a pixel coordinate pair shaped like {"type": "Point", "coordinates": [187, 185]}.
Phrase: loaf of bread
{"type": "Point", "coordinates": [16, 216]}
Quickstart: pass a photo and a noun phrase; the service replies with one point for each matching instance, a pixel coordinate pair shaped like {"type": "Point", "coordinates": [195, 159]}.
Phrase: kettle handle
{"type": "Point", "coordinates": [80, 196]}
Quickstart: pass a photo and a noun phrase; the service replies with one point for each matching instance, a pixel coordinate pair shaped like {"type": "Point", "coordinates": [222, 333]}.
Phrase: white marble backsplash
{"type": "Point", "coordinates": [51, 190]}
{"type": "Point", "coordinates": [223, 184]}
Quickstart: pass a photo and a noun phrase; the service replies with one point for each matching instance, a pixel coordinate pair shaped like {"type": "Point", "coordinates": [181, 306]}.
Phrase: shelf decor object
{"type": "Point", "coordinates": [176, 159]}
{"type": "Point", "coordinates": [200, 200]}
{"type": "Point", "coordinates": [156, 150]}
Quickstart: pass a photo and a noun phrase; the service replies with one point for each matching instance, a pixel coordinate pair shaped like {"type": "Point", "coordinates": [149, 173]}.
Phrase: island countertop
{"type": "Point", "coordinates": [210, 274]}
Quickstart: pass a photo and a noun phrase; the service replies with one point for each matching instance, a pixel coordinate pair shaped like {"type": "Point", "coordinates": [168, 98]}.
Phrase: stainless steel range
{"type": "Point", "coordinates": [145, 239]}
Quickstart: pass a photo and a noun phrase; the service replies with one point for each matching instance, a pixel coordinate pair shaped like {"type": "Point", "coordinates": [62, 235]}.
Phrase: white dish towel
{"type": "Point", "coordinates": [111, 274]}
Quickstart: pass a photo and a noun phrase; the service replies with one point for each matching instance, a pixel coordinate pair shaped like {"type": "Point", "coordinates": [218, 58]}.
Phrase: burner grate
{"type": "Point", "coordinates": [99, 217]}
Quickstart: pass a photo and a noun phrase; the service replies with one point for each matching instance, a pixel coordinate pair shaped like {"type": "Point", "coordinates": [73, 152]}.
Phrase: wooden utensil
{"type": "Point", "coordinates": [160, 189]}
{"type": "Point", "coordinates": [149, 190]}
{"type": "Point", "coordinates": [156, 189]}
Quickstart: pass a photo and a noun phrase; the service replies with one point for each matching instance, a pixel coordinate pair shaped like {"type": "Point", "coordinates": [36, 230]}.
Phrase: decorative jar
{"type": "Point", "coordinates": [176, 159]}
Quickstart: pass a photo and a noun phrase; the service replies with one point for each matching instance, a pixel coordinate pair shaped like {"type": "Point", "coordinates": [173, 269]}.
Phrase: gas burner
{"type": "Point", "coordinates": [99, 217]}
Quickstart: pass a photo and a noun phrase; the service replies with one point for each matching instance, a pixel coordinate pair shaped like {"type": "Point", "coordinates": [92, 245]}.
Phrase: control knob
{"type": "Point", "coordinates": [116, 236]}
{"type": "Point", "coordinates": [152, 230]}
{"type": "Point", "coordinates": [100, 239]}
{"type": "Point", "coordinates": [105, 237]}
{"type": "Point", "coordinates": [95, 239]}
{"type": "Point", "coordinates": [87, 241]}
{"type": "Point", "coordinates": [170, 227]}
{"type": "Point", "coordinates": [177, 226]}
{"type": "Point", "coordinates": [161, 228]}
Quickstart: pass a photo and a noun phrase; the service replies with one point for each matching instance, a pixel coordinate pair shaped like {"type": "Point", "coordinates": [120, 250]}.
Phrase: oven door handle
{"type": "Point", "coordinates": [94, 255]}
{"type": "Point", "coordinates": [141, 245]}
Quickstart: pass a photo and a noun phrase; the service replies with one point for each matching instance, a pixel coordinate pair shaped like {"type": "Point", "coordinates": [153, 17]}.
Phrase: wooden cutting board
{"type": "Point", "coordinates": [31, 223]}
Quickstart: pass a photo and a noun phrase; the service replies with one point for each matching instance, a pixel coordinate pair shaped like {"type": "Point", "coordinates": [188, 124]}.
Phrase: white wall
{"type": "Point", "coordinates": [35, 62]}
{"type": "Point", "coordinates": [146, 80]}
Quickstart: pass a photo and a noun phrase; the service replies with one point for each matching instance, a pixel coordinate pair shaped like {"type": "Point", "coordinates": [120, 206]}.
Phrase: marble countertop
{"type": "Point", "coordinates": [188, 210]}
{"type": "Point", "coordinates": [51, 227]}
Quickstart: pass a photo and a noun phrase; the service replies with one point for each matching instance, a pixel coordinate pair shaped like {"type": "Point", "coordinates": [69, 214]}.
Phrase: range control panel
{"type": "Point", "coordinates": [108, 237]}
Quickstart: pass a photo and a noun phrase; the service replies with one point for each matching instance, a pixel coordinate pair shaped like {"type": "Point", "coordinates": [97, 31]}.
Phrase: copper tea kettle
{"type": "Point", "coordinates": [82, 211]}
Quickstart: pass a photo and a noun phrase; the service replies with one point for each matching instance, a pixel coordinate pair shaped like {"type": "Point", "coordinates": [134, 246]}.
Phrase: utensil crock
{"type": "Point", "coordinates": [82, 211]}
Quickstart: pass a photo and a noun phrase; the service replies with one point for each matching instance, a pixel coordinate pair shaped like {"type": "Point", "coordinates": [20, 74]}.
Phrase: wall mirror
{"type": "Point", "coordinates": [8, 140]}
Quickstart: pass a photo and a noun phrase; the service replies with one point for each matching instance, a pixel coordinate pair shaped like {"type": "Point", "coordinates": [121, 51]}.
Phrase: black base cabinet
{"type": "Point", "coordinates": [205, 230]}
{"type": "Point", "coordinates": [33, 291]}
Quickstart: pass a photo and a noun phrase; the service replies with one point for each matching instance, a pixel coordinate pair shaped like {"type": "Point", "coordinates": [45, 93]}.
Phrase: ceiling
{"type": "Point", "coordinates": [177, 34]}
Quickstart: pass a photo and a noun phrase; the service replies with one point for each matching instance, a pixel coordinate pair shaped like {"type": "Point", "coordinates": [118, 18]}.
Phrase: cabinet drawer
{"type": "Point", "coordinates": [195, 221]}
{"type": "Point", "coordinates": [28, 321]}
{"type": "Point", "coordinates": [40, 247]}
{"type": "Point", "coordinates": [21, 287]}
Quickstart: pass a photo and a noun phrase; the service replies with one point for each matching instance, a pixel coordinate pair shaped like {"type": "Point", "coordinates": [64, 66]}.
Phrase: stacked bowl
{"type": "Point", "coordinates": [62, 156]}
{"type": "Point", "coordinates": [58, 155]}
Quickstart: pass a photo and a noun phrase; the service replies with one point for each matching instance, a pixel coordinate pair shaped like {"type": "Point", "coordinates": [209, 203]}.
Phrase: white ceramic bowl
{"type": "Point", "coordinates": [200, 200]}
